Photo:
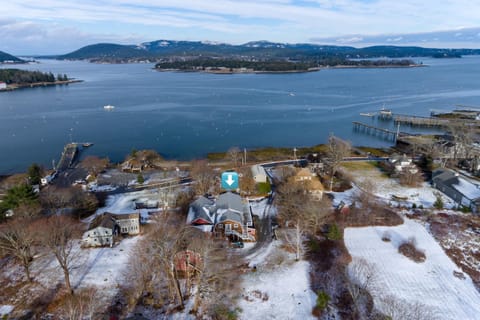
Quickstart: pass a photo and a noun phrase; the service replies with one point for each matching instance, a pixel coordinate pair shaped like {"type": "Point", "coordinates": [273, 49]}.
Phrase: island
{"type": "Point", "coordinates": [11, 79]}
{"type": "Point", "coordinates": [227, 66]}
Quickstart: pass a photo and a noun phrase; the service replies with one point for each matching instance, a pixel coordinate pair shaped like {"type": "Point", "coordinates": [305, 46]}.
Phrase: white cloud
{"type": "Point", "coordinates": [240, 21]}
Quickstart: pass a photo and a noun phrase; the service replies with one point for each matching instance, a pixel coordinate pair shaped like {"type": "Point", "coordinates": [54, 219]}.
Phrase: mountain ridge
{"type": "Point", "coordinates": [8, 58]}
{"type": "Point", "coordinates": [265, 50]}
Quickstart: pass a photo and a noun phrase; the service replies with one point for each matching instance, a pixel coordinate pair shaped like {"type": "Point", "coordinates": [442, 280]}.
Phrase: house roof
{"type": "Point", "coordinates": [451, 179]}
{"type": "Point", "coordinates": [105, 220]}
{"type": "Point", "coordinates": [229, 200]}
{"type": "Point", "coordinates": [229, 214]}
{"type": "Point", "coordinates": [200, 209]}
{"type": "Point", "coordinates": [120, 216]}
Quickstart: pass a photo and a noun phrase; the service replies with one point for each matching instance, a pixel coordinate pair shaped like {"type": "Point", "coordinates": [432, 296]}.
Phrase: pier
{"type": "Point", "coordinates": [421, 121]}
{"type": "Point", "coordinates": [376, 131]}
{"type": "Point", "coordinates": [68, 155]}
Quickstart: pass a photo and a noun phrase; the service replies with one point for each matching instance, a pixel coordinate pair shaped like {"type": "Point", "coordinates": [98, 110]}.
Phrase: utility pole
{"type": "Point", "coordinates": [244, 156]}
{"type": "Point", "coordinates": [294, 153]}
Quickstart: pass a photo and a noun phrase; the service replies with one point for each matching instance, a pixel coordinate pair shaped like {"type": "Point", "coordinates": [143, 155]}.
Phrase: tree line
{"type": "Point", "coordinates": [17, 76]}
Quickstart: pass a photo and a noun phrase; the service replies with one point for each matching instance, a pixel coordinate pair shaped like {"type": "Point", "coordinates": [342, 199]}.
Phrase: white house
{"type": "Point", "coordinates": [128, 223]}
{"type": "Point", "coordinates": [100, 232]}
{"type": "Point", "coordinates": [402, 162]}
{"type": "Point", "coordinates": [105, 226]}
{"type": "Point", "coordinates": [259, 174]}
{"type": "Point", "coordinates": [3, 85]}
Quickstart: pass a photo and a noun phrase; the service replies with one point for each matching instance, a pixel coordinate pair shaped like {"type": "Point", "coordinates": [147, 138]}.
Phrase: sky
{"type": "Point", "coordinates": [60, 26]}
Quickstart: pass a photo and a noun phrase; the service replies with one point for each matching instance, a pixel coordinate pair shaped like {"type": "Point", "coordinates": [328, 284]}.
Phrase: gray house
{"type": "Point", "coordinates": [228, 216]}
{"type": "Point", "coordinates": [102, 229]}
{"type": "Point", "coordinates": [462, 190]}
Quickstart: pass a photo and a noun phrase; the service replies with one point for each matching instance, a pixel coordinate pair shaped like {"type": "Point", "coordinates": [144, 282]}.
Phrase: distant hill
{"type": "Point", "coordinates": [107, 51]}
{"type": "Point", "coordinates": [8, 58]}
{"type": "Point", "coordinates": [263, 50]}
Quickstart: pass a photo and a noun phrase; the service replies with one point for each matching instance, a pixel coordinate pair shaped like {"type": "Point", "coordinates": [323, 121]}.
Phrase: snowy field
{"type": "Point", "coordinates": [102, 268]}
{"type": "Point", "coordinates": [431, 283]}
{"type": "Point", "coordinates": [384, 188]}
{"type": "Point", "coordinates": [278, 289]}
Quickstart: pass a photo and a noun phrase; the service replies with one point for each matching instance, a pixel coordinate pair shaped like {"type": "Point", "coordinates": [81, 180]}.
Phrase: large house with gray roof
{"type": "Point", "coordinates": [461, 189]}
{"type": "Point", "coordinates": [229, 216]}
{"type": "Point", "coordinates": [105, 226]}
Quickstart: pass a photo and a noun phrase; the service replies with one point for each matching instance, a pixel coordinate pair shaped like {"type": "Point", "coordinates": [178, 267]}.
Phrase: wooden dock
{"type": "Point", "coordinates": [375, 131]}
{"type": "Point", "coordinates": [416, 121]}
{"type": "Point", "coordinates": [68, 155]}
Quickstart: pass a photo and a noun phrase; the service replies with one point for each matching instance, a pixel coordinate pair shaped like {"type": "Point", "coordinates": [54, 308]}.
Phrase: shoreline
{"type": "Point", "coordinates": [16, 86]}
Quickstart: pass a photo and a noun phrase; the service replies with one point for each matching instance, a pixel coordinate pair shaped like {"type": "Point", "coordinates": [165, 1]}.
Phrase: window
{"type": "Point", "coordinates": [220, 226]}
{"type": "Point", "coordinates": [235, 225]}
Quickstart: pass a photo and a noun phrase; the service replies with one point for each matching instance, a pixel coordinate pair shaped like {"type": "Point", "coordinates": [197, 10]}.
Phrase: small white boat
{"type": "Point", "coordinates": [108, 107]}
{"type": "Point", "coordinates": [367, 114]}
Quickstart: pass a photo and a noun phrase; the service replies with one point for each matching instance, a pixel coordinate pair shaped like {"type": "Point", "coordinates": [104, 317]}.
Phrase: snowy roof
{"type": "Point", "coordinates": [200, 209]}
{"type": "Point", "coordinates": [464, 186]}
{"type": "Point", "coordinates": [468, 189]}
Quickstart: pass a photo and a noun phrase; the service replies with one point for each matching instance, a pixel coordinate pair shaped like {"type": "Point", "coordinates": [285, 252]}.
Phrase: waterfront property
{"type": "Point", "coordinates": [227, 217]}
{"type": "Point", "coordinates": [3, 85]}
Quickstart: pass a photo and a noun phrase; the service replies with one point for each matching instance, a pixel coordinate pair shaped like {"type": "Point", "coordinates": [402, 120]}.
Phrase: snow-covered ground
{"type": "Point", "coordinates": [102, 268]}
{"type": "Point", "coordinates": [384, 188]}
{"type": "Point", "coordinates": [432, 283]}
{"type": "Point", "coordinates": [5, 310]}
{"type": "Point", "coordinates": [277, 289]}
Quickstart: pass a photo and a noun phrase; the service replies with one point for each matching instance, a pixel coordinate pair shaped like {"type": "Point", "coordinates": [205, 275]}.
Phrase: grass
{"type": "Point", "coordinates": [360, 165]}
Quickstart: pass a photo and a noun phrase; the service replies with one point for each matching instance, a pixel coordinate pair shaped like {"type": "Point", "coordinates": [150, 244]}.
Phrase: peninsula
{"type": "Point", "coordinates": [11, 79]}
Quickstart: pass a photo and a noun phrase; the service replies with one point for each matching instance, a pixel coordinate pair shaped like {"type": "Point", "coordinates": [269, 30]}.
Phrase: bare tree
{"type": "Point", "coordinates": [234, 154]}
{"type": "Point", "coordinates": [399, 309]}
{"type": "Point", "coordinates": [94, 165]}
{"type": "Point", "coordinates": [463, 137]}
{"type": "Point", "coordinates": [337, 150]}
{"type": "Point", "coordinates": [17, 238]}
{"type": "Point", "coordinates": [203, 176]}
{"type": "Point", "coordinates": [362, 282]}
{"type": "Point", "coordinates": [298, 210]}
{"type": "Point", "coordinates": [58, 234]}
{"type": "Point", "coordinates": [82, 306]}
{"type": "Point", "coordinates": [247, 183]}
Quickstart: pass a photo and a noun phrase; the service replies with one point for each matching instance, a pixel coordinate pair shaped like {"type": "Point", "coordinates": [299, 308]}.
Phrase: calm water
{"type": "Point", "coordinates": [186, 115]}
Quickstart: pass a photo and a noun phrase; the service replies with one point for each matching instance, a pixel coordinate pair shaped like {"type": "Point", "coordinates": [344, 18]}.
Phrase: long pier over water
{"type": "Point", "coordinates": [68, 155]}
{"type": "Point", "coordinates": [376, 131]}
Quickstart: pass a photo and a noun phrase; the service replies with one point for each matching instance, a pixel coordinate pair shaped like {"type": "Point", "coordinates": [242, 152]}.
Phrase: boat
{"type": "Point", "coordinates": [108, 107]}
{"type": "Point", "coordinates": [367, 114]}
{"type": "Point", "coordinates": [87, 144]}
{"type": "Point", "coordinates": [385, 113]}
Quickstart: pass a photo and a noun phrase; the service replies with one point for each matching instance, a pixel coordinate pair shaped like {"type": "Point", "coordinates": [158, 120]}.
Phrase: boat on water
{"type": "Point", "coordinates": [87, 144]}
{"type": "Point", "coordinates": [367, 114]}
{"type": "Point", "coordinates": [108, 107]}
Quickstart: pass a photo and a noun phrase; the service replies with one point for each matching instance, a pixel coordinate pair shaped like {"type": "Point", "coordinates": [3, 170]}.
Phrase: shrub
{"type": "Point", "coordinates": [414, 205]}
{"type": "Point", "coordinates": [438, 204]}
{"type": "Point", "coordinates": [334, 233]}
{"type": "Point", "coordinates": [264, 187]}
{"type": "Point", "coordinates": [409, 250]}
{"type": "Point", "coordinates": [140, 178]}
{"type": "Point", "coordinates": [222, 312]}
{"type": "Point", "coordinates": [322, 300]}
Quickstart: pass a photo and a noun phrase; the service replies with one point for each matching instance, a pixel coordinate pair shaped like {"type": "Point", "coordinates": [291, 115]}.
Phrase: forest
{"type": "Point", "coordinates": [17, 76]}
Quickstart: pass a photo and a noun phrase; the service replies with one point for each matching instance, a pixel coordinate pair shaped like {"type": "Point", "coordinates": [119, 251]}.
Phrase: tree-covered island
{"type": "Point", "coordinates": [16, 78]}
{"type": "Point", "coordinates": [245, 66]}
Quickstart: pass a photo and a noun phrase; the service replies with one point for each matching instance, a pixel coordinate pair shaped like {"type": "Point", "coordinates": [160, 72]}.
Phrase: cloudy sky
{"type": "Point", "coordinates": [60, 26]}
